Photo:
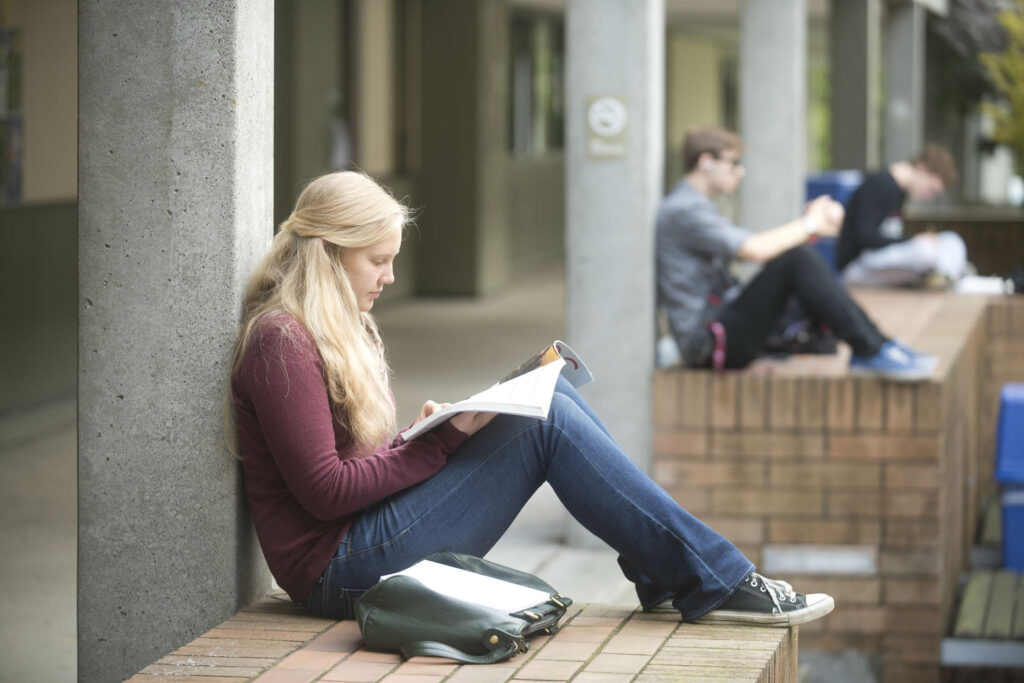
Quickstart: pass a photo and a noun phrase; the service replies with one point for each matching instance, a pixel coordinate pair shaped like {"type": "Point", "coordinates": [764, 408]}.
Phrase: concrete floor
{"type": "Point", "coordinates": [38, 496]}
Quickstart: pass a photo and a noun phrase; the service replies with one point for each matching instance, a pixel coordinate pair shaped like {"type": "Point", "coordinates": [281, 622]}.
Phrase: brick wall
{"type": "Point", "coordinates": [802, 457]}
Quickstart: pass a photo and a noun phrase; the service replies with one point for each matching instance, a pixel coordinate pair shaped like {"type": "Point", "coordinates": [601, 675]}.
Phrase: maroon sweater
{"type": "Point", "coordinates": [304, 478]}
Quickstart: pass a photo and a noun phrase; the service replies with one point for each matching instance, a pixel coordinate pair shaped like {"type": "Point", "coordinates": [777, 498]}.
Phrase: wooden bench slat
{"type": "Point", "coordinates": [611, 641]}
{"type": "Point", "coordinates": [970, 621]}
{"type": "Point", "coordinates": [162, 678]}
{"type": "Point", "coordinates": [999, 621]}
{"type": "Point", "coordinates": [196, 660]}
{"type": "Point", "coordinates": [992, 530]}
{"type": "Point", "coordinates": [207, 672]}
{"type": "Point", "coordinates": [1017, 632]}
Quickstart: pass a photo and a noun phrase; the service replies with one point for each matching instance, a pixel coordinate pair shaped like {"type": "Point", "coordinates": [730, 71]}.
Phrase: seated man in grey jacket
{"type": "Point", "coordinates": [716, 323]}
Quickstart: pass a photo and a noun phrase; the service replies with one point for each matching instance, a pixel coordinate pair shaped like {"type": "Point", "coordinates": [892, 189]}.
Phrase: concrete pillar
{"type": "Point", "coordinates": [854, 47]}
{"type": "Point", "coordinates": [464, 245]}
{"type": "Point", "coordinates": [615, 141]}
{"type": "Point", "coordinates": [904, 49]}
{"type": "Point", "coordinates": [773, 110]}
{"type": "Point", "coordinates": [175, 191]}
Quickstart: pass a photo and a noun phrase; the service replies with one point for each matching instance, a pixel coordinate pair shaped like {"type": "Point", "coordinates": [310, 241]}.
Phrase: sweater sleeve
{"type": "Point", "coordinates": [328, 475]}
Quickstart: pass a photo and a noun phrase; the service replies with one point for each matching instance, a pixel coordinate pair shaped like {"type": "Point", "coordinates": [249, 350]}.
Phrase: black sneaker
{"type": "Point", "coordinates": [767, 602]}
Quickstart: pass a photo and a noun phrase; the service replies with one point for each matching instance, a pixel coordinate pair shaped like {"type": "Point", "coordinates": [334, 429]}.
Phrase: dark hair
{"type": "Point", "coordinates": [708, 139]}
{"type": "Point", "coordinates": [937, 159]}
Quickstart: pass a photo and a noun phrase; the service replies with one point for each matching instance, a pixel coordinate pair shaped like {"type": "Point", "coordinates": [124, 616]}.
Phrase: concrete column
{"type": "Point", "coordinates": [615, 141]}
{"type": "Point", "coordinates": [855, 40]}
{"type": "Point", "coordinates": [773, 110]}
{"type": "Point", "coordinates": [175, 191]}
{"type": "Point", "coordinates": [464, 245]}
{"type": "Point", "coordinates": [904, 49]}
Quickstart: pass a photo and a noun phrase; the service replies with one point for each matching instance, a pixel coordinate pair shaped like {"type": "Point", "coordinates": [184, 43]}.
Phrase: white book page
{"type": "Point", "coordinates": [532, 389]}
{"type": "Point", "coordinates": [528, 394]}
{"type": "Point", "coordinates": [471, 587]}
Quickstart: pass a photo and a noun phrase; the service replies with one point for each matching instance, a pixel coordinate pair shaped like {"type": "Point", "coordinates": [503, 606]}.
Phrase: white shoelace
{"type": "Point", "coordinates": [774, 589]}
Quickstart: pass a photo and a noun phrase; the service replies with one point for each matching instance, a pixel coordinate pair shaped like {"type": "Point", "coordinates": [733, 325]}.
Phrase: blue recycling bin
{"type": "Point", "coordinates": [1010, 472]}
{"type": "Point", "coordinates": [839, 185]}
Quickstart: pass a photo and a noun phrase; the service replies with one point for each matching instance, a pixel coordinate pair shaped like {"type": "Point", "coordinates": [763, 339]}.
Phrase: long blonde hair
{"type": "Point", "coordinates": [302, 275]}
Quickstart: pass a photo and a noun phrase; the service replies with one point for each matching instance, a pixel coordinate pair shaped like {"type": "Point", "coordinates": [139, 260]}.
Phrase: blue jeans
{"type": "Point", "coordinates": [468, 505]}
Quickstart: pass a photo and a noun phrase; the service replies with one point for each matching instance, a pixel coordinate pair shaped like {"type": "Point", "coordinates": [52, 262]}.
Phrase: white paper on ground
{"type": "Point", "coordinates": [472, 587]}
{"type": "Point", "coordinates": [975, 284]}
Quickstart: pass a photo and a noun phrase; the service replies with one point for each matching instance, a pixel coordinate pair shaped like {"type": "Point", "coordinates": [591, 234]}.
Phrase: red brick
{"type": "Point", "coordinates": [813, 404]}
{"type": "Point", "coordinates": [695, 499]}
{"type": "Point", "coordinates": [856, 619]}
{"type": "Point", "coordinates": [753, 390]}
{"type": "Point", "coordinates": [724, 401]}
{"type": "Point", "coordinates": [899, 408]}
{"type": "Point", "coordinates": [547, 670]}
{"type": "Point", "coordinates": [998, 320]}
{"type": "Point", "coordinates": [752, 551]}
{"type": "Point", "coordinates": [870, 405]}
{"type": "Point", "coordinates": [909, 533]}
{"type": "Point", "coordinates": [767, 502]}
{"type": "Point", "coordinates": [917, 649]}
{"type": "Point", "coordinates": [854, 504]}
{"type": "Point", "coordinates": [1007, 367]}
{"type": "Point", "coordinates": [927, 418]}
{"type": "Point", "coordinates": [841, 403]}
{"type": "Point", "coordinates": [736, 529]}
{"type": "Point", "coordinates": [824, 531]}
{"type": "Point", "coordinates": [666, 401]}
{"type": "Point", "coordinates": [767, 444]}
{"type": "Point", "coordinates": [898, 591]}
{"type": "Point", "coordinates": [568, 651]}
{"type": "Point", "coordinates": [911, 476]}
{"type": "Point", "coordinates": [845, 590]}
{"type": "Point", "coordinates": [847, 474]}
{"type": "Point", "coordinates": [916, 619]}
{"type": "Point", "coordinates": [838, 642]}
{"type": "Point", "coordinates": [681, 442]}
{"type": "Point", "coordinates": [693, 396]}
{"type": "Point", "coordinates": [877, 447]}
{"type": "Point", "coordinates": [917, 561]}
{"type": "Point", "coordinates": [343, 637]}
{"type": "Point", "coordinates": [1016, 317]}
{"type": "Point", "coordinates": [353, 669]}
{"type": "Point", "coordinates": [782, 410]}
{"type": "Point", "coordinates": [911, 503]}
{"type": "Point", "coordinates": [910, 673]}
{"type": "Point", "coordinates": [708, 472]}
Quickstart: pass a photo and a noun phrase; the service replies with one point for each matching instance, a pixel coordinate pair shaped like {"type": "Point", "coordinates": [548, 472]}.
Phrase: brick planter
{"type": "Point", "coordinates": [865, 489]}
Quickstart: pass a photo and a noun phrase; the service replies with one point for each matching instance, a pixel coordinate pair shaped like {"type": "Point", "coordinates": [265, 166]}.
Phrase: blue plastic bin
{"type": "Point", "coordinates": [839, 185]}
{"type": "Point", "coordinates": [1010, 472]}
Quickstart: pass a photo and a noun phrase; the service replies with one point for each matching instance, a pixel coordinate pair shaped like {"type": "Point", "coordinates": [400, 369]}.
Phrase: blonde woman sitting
{"type": "Point", "coordinates": [338, 499]}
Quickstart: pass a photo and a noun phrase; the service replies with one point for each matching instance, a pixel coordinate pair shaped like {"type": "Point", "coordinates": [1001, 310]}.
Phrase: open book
{"type": "Point", "coordinates": [525, 391]}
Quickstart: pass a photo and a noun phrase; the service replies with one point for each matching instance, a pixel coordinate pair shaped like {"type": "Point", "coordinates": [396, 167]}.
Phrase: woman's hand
{"type": "Point", "coordinates": [429, 408]}
{"type": "Point", "coordinates": [471, 423]}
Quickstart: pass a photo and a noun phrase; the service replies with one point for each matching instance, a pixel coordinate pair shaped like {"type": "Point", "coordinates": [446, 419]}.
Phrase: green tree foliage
{"type": "Point", "coordinates": [1006, 70]}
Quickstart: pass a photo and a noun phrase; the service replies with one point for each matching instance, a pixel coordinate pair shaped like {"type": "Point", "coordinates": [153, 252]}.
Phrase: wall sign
{"type": "Point", "coordinates": [607, 127]}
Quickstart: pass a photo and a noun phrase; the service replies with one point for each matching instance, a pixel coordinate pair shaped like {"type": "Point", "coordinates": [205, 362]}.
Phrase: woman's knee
{"type": "Point", "coordinates": [563, 407]}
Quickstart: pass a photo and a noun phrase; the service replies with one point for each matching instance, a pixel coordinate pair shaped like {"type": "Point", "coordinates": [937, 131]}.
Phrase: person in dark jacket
{"type": "Point", "coordinates": [873, 249]}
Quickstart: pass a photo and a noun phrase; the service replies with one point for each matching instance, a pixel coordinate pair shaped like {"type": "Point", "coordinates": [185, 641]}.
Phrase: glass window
{"type": "Point", "coordinates": [537, 84]}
